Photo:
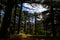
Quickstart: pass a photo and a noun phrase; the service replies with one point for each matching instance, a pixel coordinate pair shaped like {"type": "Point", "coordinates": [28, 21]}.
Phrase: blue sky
{"type": "Point", "coordinates": [2, 13]}
{"type": "Point", "coordinates": [38, 8]}
{"type": "Point", "coordinates": [32, 8]}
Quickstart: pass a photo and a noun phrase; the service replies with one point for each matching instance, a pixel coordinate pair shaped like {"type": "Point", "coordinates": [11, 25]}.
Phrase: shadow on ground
{"type": "Point", "coordinates": [22, 37]}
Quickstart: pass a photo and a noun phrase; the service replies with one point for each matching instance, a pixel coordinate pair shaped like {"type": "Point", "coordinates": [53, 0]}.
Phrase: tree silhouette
{"type": "Point", "coordinates": [7, 18]}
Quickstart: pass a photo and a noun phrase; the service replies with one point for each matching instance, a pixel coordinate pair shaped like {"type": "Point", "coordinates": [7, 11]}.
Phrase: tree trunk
{"type": "Point", "coordinates": [19, 21]}
{"type": "Point", "coordinates": [35, 24]}
{"type": "Point", "coordinates": [52, 19]}
{"type": "Point", "coordinates": [13, 31]}
{"type": "Point", "coordinates": [7, 18]}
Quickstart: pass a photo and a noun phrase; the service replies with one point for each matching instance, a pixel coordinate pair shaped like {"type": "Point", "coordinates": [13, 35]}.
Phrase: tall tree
{"type": "Point", "coordinates": [7, 18]}
{"type": "Point", "coordinates": [19, 21]}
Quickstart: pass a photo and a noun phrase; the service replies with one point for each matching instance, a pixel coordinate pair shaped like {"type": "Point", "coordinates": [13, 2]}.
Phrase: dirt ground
{"type": "Point", "coordinates": [22, 37]}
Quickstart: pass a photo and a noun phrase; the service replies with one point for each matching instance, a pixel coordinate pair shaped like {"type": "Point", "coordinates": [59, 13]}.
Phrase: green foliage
{"type": "Point", "coordinates": [29, 27]}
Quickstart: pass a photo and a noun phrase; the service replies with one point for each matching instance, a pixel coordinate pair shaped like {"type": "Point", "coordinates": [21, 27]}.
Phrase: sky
{"type": "Point", "coordinates": [2, 13]}
{"type": "Point", "coordinates": [32, 8]}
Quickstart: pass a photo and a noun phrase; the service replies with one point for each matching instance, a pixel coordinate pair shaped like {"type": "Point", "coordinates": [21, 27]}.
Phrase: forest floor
{"type": "Point", "coordinates": [29, 37]}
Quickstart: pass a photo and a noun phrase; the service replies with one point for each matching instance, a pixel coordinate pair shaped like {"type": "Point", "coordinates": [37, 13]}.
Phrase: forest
{"type": "Point", "coordinates": [29, 19]}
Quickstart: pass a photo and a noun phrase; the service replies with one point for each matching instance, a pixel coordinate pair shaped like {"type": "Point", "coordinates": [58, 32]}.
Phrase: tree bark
{"type": "Point", "coordinates": [7, 18]}
{"type": "Point", "coordinates": [19, 21]}
{"type": "Point", "coordinates": [52, 19]}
